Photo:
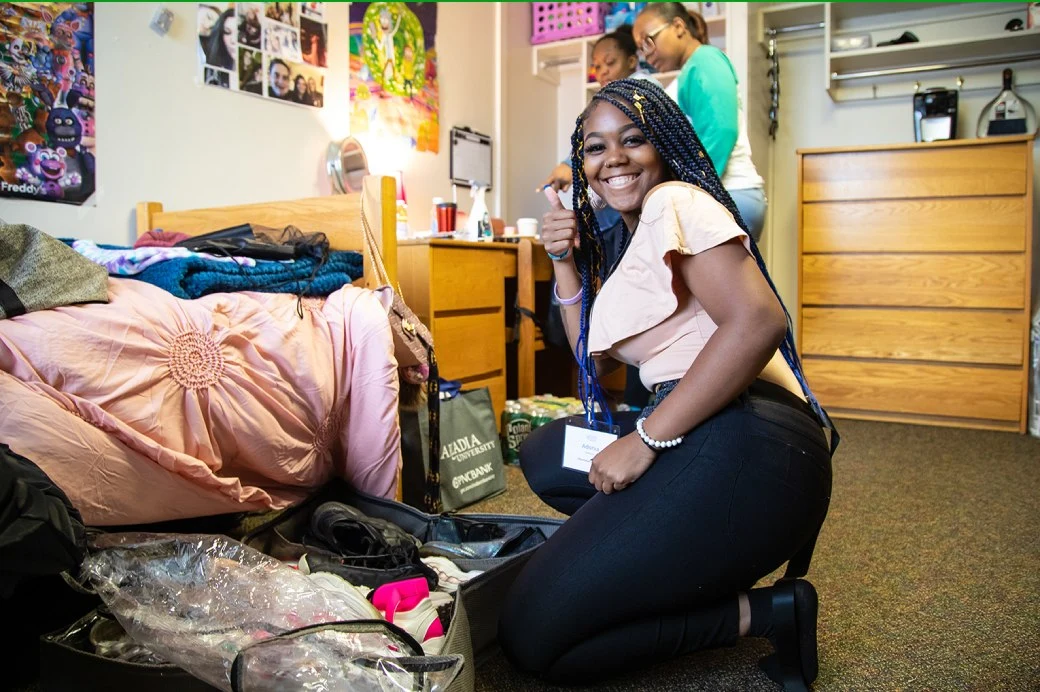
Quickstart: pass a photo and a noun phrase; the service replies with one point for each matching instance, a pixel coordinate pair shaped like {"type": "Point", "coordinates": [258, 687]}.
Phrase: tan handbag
{"type": "Point", "coordinates": [412, 340]}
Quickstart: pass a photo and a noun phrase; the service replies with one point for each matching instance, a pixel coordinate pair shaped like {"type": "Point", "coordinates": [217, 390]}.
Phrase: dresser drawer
{"type": "Point", "coordinates": [469, 345]}
{"type": "Point", "coordinates": [952, 281]}
{"type": "Point", "coordinates": [958, 171]}
{"type": "Point", "coordinates": [919, 389]}
{"type": "Point", "coordinates": [949, 336]}
{"type": "Point", "coordinates": [963, 224]}
{"type": "Point", "coordinates": [465, 279]}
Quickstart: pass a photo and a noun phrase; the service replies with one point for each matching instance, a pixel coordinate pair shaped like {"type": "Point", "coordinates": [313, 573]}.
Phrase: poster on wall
{"type": "Point", "coordinates": [47, 101]}
{"type": "Point", "coordinates": [393, 72]}
{"type": "Point", "coordinates": [274, 50]}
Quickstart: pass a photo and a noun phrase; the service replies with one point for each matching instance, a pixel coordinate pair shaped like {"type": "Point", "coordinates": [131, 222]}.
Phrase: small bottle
{"type": "Point", "coordinates": [433, 214]}
{"type": "Point", "coordinates": [402, 220]}
{"type": "Point", "coordinates": [1008, 114]}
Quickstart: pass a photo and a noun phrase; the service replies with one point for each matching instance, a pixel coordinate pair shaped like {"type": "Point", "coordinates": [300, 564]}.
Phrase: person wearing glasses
{"type": "Point", "coordinates": [671, 38]}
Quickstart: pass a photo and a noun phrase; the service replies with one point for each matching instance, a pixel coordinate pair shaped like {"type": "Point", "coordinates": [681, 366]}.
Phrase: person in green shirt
{"type": "Point", "coordinates": [671, 38]}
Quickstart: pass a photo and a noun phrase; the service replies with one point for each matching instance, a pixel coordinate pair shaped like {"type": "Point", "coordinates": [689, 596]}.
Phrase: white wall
{"type": "Point", "coordinates": [162, 136]}
{"type": "Point", "coordinates": [530, 118]}
{"type": "Point", "coordinates": [809, 118]}
{"type": "Point", "coordinates": [466, 70]}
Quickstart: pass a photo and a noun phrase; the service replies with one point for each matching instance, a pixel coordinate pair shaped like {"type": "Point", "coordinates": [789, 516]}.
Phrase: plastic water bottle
{"type": "Point", "coordinates": [1034, 366]}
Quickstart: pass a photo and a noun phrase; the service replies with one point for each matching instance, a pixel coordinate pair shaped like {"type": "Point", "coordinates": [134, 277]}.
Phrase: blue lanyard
{"type": "Point", "coordinates": [588, 381]}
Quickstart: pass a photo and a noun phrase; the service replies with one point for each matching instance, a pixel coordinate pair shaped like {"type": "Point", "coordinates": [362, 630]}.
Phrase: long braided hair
{"type": "Point", "coordinates": [668, 130]}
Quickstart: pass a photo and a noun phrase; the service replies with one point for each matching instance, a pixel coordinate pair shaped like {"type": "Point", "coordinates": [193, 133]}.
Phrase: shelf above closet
{"type": "Point", "coordinates": [1003, 46]}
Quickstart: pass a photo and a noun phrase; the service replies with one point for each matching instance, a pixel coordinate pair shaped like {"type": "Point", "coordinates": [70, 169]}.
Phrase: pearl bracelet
{"type": "Point", "coordinates": [651, 442]}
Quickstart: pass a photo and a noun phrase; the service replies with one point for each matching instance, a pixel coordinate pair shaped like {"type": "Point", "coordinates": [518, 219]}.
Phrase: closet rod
{"type": "Point", "coordinates": [792, 29]}
{"type": "Point", "coordinates": [839, 77]}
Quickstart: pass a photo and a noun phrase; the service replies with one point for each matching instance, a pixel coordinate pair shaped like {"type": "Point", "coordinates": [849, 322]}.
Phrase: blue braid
{"type": "Point", "coordinates": [667, 128]}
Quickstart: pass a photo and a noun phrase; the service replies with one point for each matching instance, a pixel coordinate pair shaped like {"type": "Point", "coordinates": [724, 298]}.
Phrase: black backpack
{"type": "Point", "coordinates": [41, 533]}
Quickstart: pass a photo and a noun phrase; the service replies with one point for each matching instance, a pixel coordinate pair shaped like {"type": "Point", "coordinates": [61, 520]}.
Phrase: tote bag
{"type": "Point", "coordinates": [470, 463]}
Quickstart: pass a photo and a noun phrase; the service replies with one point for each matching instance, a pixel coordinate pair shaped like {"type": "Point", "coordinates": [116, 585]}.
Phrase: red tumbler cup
{"type": "Point", "coordinates": [446, 217]}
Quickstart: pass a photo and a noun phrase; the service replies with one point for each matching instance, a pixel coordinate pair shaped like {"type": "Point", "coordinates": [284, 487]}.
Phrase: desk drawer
{"type": "Point", "coordinates": [912, 388]}
{"type": "Point", "coordinates": [951, 336]}
{"type": "Point", "coordinates": [951, 281]}
{"type": "Point", "coordinates": [964, 224]}
{"type": "Point", "coordinates": [465, 279]}
{"type": "Point", "coordinates": [959, 171]}
{"type": "Point", "coordinates": [469, 345]}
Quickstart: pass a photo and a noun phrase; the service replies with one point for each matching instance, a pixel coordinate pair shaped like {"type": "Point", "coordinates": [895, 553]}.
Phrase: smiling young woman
{"type": "Point", "coordinates": [725, 476]}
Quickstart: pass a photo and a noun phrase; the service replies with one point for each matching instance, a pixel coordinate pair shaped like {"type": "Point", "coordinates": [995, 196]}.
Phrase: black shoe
{"type": "Point", "coordinates": [795, 664]}
{"type": "Point", "coordinates": [351, 534]}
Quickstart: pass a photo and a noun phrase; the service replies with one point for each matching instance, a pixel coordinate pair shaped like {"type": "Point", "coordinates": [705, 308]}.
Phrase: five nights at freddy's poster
{"type": "Point", "coordinates": [47, 101]}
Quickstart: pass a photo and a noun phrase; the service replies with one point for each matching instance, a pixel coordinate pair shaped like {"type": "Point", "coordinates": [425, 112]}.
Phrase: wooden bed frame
{"type": "Point", "coordinates": [338, 217]}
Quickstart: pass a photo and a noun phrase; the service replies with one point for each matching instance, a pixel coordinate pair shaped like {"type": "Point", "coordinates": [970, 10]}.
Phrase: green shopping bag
{"type": "Point", "coordinates": [470, 463]}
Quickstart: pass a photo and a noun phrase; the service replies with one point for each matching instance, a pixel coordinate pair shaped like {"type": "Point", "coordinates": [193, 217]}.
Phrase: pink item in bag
{"type": "Point", "coordinates": [400, 597]}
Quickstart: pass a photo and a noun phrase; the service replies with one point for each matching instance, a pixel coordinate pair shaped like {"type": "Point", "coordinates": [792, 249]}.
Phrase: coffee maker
{"type": "Point", "coordinates": [935, 115]}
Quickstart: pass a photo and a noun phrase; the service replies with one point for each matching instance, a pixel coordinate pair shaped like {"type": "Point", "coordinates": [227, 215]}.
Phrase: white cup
{"type": "Point", "coordinates": [527, 227]}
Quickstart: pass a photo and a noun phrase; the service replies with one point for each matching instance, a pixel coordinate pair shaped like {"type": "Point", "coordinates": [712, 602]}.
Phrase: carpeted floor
{"type": "Point", "coordinates": [928, 570]}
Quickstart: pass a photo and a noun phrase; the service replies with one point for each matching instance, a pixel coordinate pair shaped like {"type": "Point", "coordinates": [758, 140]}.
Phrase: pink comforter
{"type": "Point", "coordinates": [152, 407]}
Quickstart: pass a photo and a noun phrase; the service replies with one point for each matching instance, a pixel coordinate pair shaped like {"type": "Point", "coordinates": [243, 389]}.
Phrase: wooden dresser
{"type": "Point", "coordinates": [914, 280]}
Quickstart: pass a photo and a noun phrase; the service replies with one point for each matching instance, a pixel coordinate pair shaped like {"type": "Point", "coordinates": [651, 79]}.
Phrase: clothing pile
{"type": "Point", "coordinates": [123, 404]}
{"type": "Point", "coordinates": [241, 258]}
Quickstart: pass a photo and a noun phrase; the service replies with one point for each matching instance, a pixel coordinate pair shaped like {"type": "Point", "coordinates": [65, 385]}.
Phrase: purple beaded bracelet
{"type": "Point", "coordinates": [567, 301]}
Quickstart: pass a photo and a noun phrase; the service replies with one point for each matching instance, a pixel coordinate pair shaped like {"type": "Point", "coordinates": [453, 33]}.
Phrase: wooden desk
{"type": "Point", "coordinates": [457, 288]}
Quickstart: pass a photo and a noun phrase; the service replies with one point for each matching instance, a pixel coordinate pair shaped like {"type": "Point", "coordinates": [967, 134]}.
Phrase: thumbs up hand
{"type": "Point", "coordinates": [559, 227]}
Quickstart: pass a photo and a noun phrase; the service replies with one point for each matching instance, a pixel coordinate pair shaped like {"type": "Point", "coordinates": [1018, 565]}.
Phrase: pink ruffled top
{"type": "Point", "coordinates": [643, 314]}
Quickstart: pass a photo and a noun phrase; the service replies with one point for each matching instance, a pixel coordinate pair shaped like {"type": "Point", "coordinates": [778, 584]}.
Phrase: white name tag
{"type": "Point", "coordinates": [581, 445]}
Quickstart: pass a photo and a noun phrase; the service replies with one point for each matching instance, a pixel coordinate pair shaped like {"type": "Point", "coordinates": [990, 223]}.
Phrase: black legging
{"type": "Point", "coordinates": [652, 572]}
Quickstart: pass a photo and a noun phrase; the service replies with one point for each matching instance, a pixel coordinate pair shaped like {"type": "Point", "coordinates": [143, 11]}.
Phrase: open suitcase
{"type": "Point", "coordinates": [473, 629]}
{"type": "Point", "coordinates": [471, 632]}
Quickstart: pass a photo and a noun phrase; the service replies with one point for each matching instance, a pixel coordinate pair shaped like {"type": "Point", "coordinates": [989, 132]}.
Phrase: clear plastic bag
{"type": "Point", "coordinates": [199, 600]}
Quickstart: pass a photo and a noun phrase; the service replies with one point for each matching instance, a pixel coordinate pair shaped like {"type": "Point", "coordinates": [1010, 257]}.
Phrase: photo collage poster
{"type": "Point", "coordinates": [393, 72]}
{"type": "Point", "coordinates": [47, 101]}
{"type": "Point", "coordinates": [275, 50]}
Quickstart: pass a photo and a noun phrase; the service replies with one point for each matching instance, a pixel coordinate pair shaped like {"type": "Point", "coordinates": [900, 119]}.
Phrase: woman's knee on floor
{"type": "Point", "coordinates": [526, 630]}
